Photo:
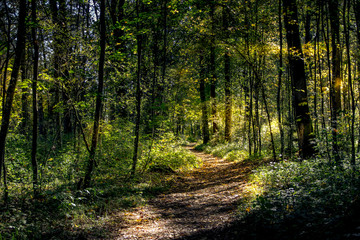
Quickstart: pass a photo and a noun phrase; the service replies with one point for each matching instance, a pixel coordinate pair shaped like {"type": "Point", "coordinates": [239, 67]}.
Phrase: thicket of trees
{"type": "Point", "coordinates": [279, 78]}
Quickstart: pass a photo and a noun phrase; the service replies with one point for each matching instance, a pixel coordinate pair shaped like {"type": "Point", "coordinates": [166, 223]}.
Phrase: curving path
{"type": "Point", "coordinates": [204, 199]}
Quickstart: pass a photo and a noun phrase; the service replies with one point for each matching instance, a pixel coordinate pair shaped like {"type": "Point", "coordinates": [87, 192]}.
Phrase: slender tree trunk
{"type": "Point", "coordinates": [213, 79]}
{"type": "Point", "coordinates": [336, 81]}
{"type": "Point", "coordinates": [326, 35]}
{"type": "Point", "coordinates": [99, 94]}
{"type": "Point", "coordinates": [204, 106]}
{"type": "Point", "coordinates": [298, 79]}
{"type": "Point", "coordinates": [357, 18]}
{"type": "Point", "coordinates": [269, 122]}
{"type": "Point", "coordinates": [346, 11]}
{"type": "Point", "coordinates": [278, 96]}
{"type": "Point", "coordinates": [164, 51]}
{"type": "Point", "coordinates": [138, 97]}
{"type": "Point", "coordinates": [228, 95]}
{"type": "Point", "coordinates": [34, 97]}
{"type": "Point", "coordinates": [6, 114]}
{"type": "Point", "coordinates": [7, 57]}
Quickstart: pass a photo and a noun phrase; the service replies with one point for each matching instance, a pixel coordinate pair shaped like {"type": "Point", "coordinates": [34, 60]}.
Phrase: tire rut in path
{"type": "Point", "coordinates": [200, 200]}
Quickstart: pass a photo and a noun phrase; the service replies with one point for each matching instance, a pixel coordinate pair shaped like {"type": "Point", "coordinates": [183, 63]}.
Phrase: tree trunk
{"type": "Point", "coordinates": [34, 97]}
{"type": "Point", "coordinates": [269, 122]}
{"type": "Point", "coordinates": [352, 97]}
{"type": "Point", "coordinates": [213, 78]}
{"type": "Point", "coordinates": [94, 141]}
{"type": "Point", "coordinates": [204, 106]}
{"type": "Point", "coordinates": [336, 81]}
{"type": "Point", "coordinates": [298, 80]}
{"type": "Point", "coordinates": [6, 114]}
{"type": "Point", "coordinates": [228, 95]}
{"type": "Point", "coordinates": [278, 96]}
{"type": "Point", "coordinates": [7, 59]}
{"type": "Point", "coordinates": [138, 97]}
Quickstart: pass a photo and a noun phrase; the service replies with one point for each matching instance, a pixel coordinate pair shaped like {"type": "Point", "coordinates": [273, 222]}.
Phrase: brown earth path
{"type": "Point", "coordinates": [204, 199]}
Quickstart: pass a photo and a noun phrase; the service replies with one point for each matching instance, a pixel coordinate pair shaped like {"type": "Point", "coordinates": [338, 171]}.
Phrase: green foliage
{"type": "Point", "coordinates": [230, 151]}
{"type": "Point", "coordinates": [236, 155]}
{"type": "Point", "coordinates": [309, 194]}
{"type": "Point", "coordinates": [61, 209]}
{"type": "Point", "coordinates": [167, 155]}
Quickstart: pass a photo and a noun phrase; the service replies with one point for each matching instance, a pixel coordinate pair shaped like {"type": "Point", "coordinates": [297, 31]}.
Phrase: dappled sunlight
{"type": "Point", "coordinates": [199, 200]}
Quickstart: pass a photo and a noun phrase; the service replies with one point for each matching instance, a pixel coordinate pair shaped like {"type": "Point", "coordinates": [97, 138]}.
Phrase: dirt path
{"type": "Point", "coordinates": [200, 200]}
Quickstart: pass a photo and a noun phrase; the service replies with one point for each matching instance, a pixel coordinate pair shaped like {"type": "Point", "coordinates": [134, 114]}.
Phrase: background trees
{"type": "Point", "coordinates": [215, 71]}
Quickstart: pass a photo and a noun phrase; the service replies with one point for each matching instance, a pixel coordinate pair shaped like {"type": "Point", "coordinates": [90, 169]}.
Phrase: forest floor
{"type": "Point", "coordinates": [201, 200]}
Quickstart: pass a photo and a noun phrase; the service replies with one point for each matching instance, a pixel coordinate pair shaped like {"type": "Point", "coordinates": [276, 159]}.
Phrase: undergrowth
{"type": "Point", "coordinates": [61, 211]}
{"type": "Point", "coordinates": [229, 151]}
{"type": "Point", "coordinates": [307, 199]}
{"type": "Point", "coordinates": [294, 199]}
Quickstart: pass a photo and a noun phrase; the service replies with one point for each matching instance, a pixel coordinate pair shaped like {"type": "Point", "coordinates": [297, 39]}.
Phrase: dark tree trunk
{"type": "Point", "coordinates": [278, 96]}
{"type": "Point", "coordinates": [204, 106]}
{"type": "Point", "coordinates": [347, 5]}
{"type": "Point", "coordinates": [34, 97]}
{"type": "Point", "coordinates": [336, 81]}
{"type": "Point", "coordinates": [213, 78]}
{"type": "Point", "coordinates": [228, 95]}
{"type": "Point", "coordinates": [94, 140]}
{"type": "Point", "coordinates": [6, 114]}
{"type": "Point", "coordinates": [298, 80]}
{"type": "Point", "coordinates": [7, 59]}
{"type": "Point", "coordinates": [138, 96]}
{"type": "Point", "coordinates": [269, 122]}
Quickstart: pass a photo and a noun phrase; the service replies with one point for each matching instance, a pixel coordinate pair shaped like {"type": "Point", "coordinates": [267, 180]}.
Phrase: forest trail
{"type": "Point", "coordinates": [204, 199]}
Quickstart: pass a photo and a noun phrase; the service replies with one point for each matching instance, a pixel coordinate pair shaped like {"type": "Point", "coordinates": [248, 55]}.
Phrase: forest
{"type": "Point", "coordinates": [179, 119]}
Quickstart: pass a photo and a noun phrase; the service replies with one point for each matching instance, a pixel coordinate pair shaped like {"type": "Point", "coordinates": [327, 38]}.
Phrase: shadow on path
{"type": "Point", "coordinates": [202, 200]}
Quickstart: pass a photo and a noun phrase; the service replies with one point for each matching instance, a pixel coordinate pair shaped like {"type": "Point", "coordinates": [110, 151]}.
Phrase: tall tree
{"type": "Point", "coordinates": [204, 105]}
{"type": "Point", "coordinates": [99, 96]}
{"type": "Point", "coordinates": [213, 77]}
{"type": "Point", "coordinates": [34, 95]}
{"type": "Point", "coordinates": [278, 96]}
{"type": "Point", "coordinates": [139, 39]}
{"type": "Point", "coordinates": [346, 19]}
{"type": "Point", "coordinates": [228, 95]}
{"type": "Point", "coordinates": [298, 80]}
{"type": "Point", "coordinates": [336, 80]}
{"type": "Point", "coordinates": [19, 51]}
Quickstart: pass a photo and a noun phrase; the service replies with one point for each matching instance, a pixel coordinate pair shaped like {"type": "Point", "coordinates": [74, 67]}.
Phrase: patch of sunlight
{"type": "Point", "coordinates": [253, 190]}
{"type": "Point", "coordinates": [274, 127]}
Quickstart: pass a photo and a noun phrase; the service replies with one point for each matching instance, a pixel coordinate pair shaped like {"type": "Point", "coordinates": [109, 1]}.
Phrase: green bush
{"type": "Point", "coordinates": [167, 155]}
{"type": "Point", "coordinates": [236, 155]}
